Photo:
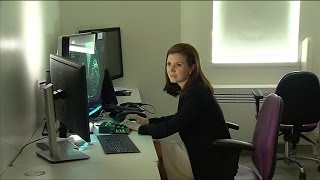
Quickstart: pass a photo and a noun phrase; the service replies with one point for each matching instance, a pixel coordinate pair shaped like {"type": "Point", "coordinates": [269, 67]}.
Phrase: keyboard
{"type": "Point", "coordinates": [117, 143]}
{"type": "Point", "coordinates": [112, 127]}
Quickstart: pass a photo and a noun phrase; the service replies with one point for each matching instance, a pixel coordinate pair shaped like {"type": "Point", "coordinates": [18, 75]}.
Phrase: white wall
{"type": "Point", "coordinates": [28, 32]}
{"type": "Point", "coordinates": [310, 11]}
{"type": "Point", "coordinates": [148, 30]}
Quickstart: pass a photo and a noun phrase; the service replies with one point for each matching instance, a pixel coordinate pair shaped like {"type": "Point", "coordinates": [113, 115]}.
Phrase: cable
{"type": "Point", "coordinates": [99, 116]}
{"type": "Point", "coordinates": [142, 106]}
{"type": "Point", "coordinates": [27, 145]}
{"type": "Point", "coordinates": [45, 130]}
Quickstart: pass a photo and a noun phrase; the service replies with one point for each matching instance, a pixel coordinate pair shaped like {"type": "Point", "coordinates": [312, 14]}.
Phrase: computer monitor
{"type": "Point", "coordinates": [113, 59]}
{"type": "Point", "coordinates": [94, 63]}
{"type": "Point", "coordinates": [71, 108]}
{"type": "Point", "coordinates": [66, 101]}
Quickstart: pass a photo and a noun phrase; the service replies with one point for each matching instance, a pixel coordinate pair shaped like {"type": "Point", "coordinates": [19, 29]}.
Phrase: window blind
{"type": "Point", "coordinates": [255, 32]}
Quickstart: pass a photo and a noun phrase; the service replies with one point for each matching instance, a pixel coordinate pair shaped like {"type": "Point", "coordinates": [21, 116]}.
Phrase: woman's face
{"type": "Point", "coordinates": [177, 69]}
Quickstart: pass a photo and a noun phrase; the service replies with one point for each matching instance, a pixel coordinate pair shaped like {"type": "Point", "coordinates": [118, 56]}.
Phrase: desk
{"type": "Point", "coordinates": [141, 165]}
{"type": "Point", "coordinates": [131, 170]}
{"type": "Point", "coordinates": [134, 97]}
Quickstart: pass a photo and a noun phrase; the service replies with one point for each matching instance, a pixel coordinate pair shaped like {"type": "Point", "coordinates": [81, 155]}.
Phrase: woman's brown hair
{"type": "Point", "coordinates": [196, 76]}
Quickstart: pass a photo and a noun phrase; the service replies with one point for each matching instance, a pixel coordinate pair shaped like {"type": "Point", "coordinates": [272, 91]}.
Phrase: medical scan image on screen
{"type": "Point", "coordinates": [94, 70]}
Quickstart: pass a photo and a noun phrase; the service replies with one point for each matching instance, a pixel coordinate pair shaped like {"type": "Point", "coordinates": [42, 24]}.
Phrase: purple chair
{"type": "Point", "coordinates": [264, 142]}
{"type": "Point", "coordinates": [300, 92]}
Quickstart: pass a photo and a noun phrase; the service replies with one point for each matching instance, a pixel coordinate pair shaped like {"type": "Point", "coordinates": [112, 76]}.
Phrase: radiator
{"type": "Point", "coordinates": [238, 106]}
{"type": "Point", "coordinates": [236, 98]}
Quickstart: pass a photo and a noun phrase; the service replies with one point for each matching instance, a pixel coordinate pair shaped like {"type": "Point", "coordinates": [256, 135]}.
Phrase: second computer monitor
{"type": "Point", "coordinates": [87, 49]}
{"type": "Point", "coordinates": [113, 48]}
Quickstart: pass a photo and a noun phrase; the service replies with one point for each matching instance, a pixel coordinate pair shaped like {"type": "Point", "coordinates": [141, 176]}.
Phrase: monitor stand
{"type": "Point", "coordinates": [63, 155]}
{"type": "Point", "coordinates": [61, 144]}
{"type": "Point", "coordinates": [56, 153]}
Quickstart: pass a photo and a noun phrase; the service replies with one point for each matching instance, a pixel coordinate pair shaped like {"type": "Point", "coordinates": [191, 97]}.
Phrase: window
{"type": "Point", "coordinates": [255, 32]}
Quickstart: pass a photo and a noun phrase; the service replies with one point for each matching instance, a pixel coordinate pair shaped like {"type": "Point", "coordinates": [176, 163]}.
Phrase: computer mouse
{"type": "Point", "coordinates": [132, 120]}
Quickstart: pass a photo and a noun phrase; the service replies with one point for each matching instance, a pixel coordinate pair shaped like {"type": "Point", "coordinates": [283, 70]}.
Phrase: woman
{"type": "Point", "coordinates": [199, 119]}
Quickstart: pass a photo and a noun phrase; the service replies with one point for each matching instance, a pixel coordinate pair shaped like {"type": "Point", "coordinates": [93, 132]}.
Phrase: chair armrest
{"type": "Point", "coordinates": [257, 94]}
{"type": "Point", "coordinates": [231, 125]}
{"type": "Point", "coordinates": [233, 144]}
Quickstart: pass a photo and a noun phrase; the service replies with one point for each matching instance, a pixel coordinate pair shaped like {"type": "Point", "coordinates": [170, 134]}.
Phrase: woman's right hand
{"type": "Point", "coordinates": [137, 118]}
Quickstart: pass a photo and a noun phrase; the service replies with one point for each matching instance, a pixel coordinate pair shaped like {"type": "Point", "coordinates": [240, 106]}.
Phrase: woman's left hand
{"type": "Point", "coordinates": [131, 124]}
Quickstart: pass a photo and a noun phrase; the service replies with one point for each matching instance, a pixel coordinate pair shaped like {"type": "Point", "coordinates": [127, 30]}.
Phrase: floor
{"type": "Point", "coordinates": [288, 172]}
{"type": "Point", "coordinates": [282, 172]}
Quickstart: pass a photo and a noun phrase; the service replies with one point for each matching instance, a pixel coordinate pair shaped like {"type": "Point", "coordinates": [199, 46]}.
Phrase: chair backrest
{"type": "Point", "coordinates": [300, 92]}
{"type": "Point", "coordinates": [265, 137]}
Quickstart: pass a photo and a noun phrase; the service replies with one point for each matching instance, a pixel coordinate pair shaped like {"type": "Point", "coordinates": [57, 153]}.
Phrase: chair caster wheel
{"type": "Point", "coordinates": [302, 176]}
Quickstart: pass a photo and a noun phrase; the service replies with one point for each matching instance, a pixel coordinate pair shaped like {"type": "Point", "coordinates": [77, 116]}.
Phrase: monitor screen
{"type": "Point", "coordinates": [88, 49]}
{"type": "Point", "coordinates": [94, 67]}
{"type": "Point", "coordinates": [113, 58]}
{"type": "Point", "coordinates": [71, 105]}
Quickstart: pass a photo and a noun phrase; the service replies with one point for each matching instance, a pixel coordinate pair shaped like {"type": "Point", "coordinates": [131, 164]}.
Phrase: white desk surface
{"type": "Point", "coordinates": [144, 143]}
{"type": "Point", "coordinates": [134, 97]}
{"type": "Point", "coordinates": [141, 165]}
{"type": "Point", "coordinates": [107, 170]}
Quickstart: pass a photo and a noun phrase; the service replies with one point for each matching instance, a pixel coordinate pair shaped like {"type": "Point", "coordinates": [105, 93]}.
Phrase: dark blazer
{"type": "Point", "coordinates": [199, 121]}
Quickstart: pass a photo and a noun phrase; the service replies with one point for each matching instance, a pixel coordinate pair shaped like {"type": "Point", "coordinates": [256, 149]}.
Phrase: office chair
{"type": "Point", "coordinates": [264, 142]}
{"type": "Point", "coordinates": [300, 92]}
